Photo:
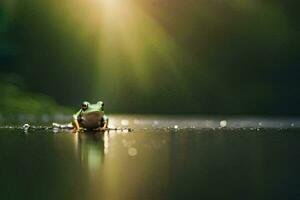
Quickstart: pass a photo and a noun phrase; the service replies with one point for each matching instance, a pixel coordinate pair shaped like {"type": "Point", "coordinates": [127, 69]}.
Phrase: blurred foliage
{"type": "Point", "coordinates": [16, 100]}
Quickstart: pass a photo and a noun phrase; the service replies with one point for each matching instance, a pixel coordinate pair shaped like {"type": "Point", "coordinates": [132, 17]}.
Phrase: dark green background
{"type": "Point", "coordinates": [237, 57]}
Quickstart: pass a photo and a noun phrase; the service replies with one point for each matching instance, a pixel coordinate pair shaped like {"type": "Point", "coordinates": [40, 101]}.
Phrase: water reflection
{"type": "Point", "coordinates": [90, 155]}
{"type": "Point", "coordinates": [128, 163]}
{"type": "Point", "coordinates": [150, 164]}
{"type": "Point", "coordinates": [135, 166]}
{"type": "Point", "coordinates": [91, 149]}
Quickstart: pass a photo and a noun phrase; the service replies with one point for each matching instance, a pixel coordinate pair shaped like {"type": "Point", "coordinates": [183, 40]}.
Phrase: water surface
{"type": "Point", "coordinates": [163, 158]}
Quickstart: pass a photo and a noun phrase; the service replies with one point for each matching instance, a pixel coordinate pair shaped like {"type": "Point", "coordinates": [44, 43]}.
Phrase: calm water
{"type": "Point", "coordinates": [164, 158]}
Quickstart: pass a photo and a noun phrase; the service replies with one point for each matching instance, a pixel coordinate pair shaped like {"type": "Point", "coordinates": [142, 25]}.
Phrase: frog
{"type": "Point", "coordinates": [90, 117]}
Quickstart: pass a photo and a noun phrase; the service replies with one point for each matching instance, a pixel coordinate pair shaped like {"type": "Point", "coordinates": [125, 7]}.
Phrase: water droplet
{"type": "Point", "coordinates": [132, 151]}
{"type": "Point", "coordinates": [26, 126]}
{"type": "Point", "coordinates": [223, 123]}
{"type": "Point", "coordinates": [124, 122]}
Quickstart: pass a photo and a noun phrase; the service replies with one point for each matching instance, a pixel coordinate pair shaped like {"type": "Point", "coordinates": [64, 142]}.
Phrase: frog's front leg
{"type": "Point", "coordinates": [105, 122]}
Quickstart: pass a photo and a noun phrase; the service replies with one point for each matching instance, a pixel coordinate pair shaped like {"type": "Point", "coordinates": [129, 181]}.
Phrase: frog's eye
{"type": "Point", "coordinates": [100, 103]}
{"type": "Point", "coordinates": [85, 104]}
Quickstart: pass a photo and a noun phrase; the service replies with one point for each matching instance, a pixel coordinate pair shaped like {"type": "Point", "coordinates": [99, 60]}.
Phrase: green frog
{"type": "Point", "coordinates": [90, 117]}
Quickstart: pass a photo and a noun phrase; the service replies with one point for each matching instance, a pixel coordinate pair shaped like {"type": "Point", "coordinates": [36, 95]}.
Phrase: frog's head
{"type": "Point", "coordinates": [85, 105]}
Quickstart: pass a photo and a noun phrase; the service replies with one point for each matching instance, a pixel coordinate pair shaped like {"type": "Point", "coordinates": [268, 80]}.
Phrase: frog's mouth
{"type": "Point", "coordinates": [91, 120]}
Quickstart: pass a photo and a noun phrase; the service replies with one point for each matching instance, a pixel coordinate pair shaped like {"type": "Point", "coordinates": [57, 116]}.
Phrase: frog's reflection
{"type": "Point", "coordinates": [90, 149]}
